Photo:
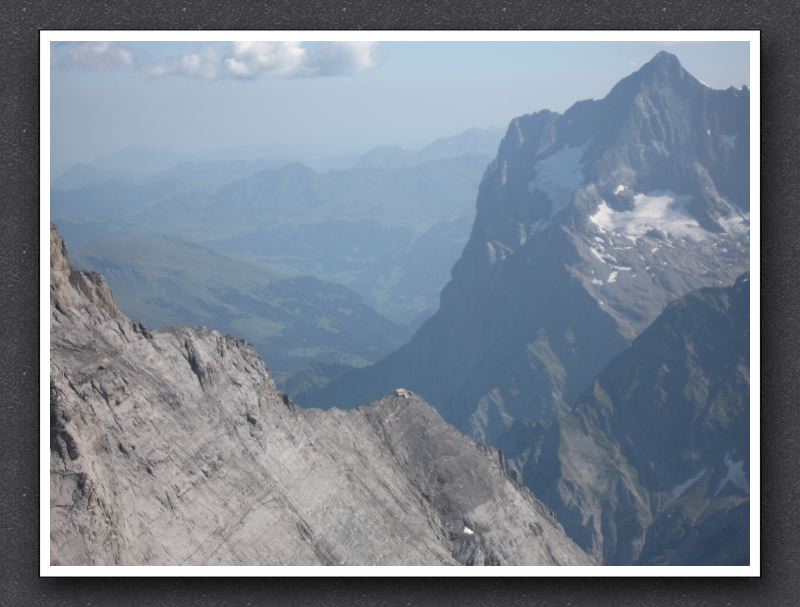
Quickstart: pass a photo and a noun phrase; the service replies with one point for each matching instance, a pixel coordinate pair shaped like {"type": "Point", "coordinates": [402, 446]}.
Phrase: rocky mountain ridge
{"type": "Point", "coordinates": [174, 447]}
{"type": "Point", "coordinates": [588, 224]}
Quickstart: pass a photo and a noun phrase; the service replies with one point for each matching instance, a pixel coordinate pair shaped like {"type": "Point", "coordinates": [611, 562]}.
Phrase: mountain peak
{"type": "Point", "coordinates": [665, 58]}
{"type": "Point", "coordinates": [663, 66]}
{"type": "Point", "coordinates": [663, 72]}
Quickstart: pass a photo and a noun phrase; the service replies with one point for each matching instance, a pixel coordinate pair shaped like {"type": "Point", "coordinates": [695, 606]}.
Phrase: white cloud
{"type": "Point", "coordinates": [239, 60]}
{"type": "Point", "coordinates": [295, 60]}
{"type": "Point", "coordinates": [204, 63]}
{"type": "Point", "coordinates": [342, 58]}
{"type": "Point", "coordinates": [249, 59]}
{"type": "Point", "coordinates": [92, 56]}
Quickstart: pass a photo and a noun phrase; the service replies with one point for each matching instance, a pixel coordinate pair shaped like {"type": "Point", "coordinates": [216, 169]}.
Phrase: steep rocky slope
{"type": "Point", "coordinates": [174, 447]}
{"type": "Point", "coordinates": [588, 224]}
{"type": "Point", "coordinates": [652, 464]}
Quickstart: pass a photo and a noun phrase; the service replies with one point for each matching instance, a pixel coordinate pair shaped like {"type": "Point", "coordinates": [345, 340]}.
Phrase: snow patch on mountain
{"type": "Point", "coordinates": [735, 224]}
{"type": "Point", "coordinates": [660, 210]}
{"type": "Point", "coordinates": [735, 475]}
{"type": "Point", "coordinates": [598, 253]}
{"type": "Point", "coordinates": [497, 251]}
{"type": "Point", "coordinates": [679, 490]}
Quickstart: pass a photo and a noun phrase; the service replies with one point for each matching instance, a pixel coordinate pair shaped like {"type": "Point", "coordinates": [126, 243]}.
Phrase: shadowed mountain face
{"type": "Point", "coordinates": [652, 464]}
{"type": "Point", "coordinates": [174, 447]}
{"type": "Point", "coordinates": [588, 224]}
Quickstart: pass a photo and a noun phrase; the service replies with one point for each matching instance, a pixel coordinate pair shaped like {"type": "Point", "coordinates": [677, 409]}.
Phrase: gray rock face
{"type": "Point", "coordinates": [588, 224]}
{"type": "Point", "coordinates": [174, 447]}
{"type": "Point", "coordinates": [652, 465]}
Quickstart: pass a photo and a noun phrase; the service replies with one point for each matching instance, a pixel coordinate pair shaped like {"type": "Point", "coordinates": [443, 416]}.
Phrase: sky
{"type": "Point", "coordinates": [334, 98]}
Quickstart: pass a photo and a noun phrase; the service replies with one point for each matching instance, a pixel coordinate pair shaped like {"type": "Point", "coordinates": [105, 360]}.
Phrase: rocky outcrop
{"type": "Point", "coordinates": [652, 465]}
{"type": "Point", "coordinates": [174, 447]}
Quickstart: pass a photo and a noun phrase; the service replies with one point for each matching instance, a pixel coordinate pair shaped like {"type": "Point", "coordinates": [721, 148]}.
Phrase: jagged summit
{"type": "Point", "coordinates": [662, 75]}
{"type": "Point", "coordinates": [174, 447]}
{"type": "Point", "coordinates": [71, 291]}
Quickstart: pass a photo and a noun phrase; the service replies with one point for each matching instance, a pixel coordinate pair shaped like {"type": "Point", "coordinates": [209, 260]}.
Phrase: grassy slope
{"type": "Point", "coordinates": [291, 321]}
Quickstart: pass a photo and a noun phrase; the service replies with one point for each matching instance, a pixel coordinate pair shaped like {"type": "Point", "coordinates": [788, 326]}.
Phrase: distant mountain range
{"type": "Point", "coordinates": [390, 233]}
{"type": "Point", "coordinates": [141, 163]}
{"type": "Point", "coordinates": [478, 142]}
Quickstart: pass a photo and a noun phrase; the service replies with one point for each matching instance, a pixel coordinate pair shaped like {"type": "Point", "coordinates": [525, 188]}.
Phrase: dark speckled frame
{"type": "Point", "coordinates": [19, 257]}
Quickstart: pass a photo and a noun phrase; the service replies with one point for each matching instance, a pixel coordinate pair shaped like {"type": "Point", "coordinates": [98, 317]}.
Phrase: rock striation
{"type": "Point", "coordinates": [174, 447]}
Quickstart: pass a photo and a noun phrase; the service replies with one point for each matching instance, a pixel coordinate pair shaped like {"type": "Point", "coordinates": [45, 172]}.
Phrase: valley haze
{"type": "Point", "coordinates": [526, 345]}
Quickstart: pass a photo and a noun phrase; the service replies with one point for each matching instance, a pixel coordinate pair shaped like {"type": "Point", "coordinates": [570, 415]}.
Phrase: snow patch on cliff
{"type": "Point", "coordinates": [661, 210]}
{"type": "Point", "coordinates": [679, 490]}
{"type": "Point", "coordinates": [735, 475]}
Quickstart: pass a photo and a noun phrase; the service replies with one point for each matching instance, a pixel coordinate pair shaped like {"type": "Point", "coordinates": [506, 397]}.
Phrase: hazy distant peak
{"type": "Point", "coordinates": [293, 171]}
{"type": "Point", "coordinates": [478, 141]}
{"type": "Point", "coordinates": [296, 167]}
{"type": "Point", "coordinates": [466, 141]}
{"type": "Point", "coordinates": [140, 159]}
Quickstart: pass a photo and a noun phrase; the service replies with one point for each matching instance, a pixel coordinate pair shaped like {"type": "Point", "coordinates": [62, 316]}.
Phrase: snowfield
{"type": "Point", "coordinates": [663, 210]}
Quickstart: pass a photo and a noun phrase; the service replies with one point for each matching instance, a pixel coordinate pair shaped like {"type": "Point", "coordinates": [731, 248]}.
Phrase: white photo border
{"type": "Point", "coordinates": [46, 37]}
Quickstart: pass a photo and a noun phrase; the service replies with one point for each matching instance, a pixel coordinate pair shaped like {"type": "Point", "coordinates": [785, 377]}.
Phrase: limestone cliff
{"type": "Point", "coordinates": [174, 447]}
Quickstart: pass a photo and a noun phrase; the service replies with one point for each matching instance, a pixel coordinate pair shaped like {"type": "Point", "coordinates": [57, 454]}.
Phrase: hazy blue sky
{"type": "Point", "coordinates": [332, 97]}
